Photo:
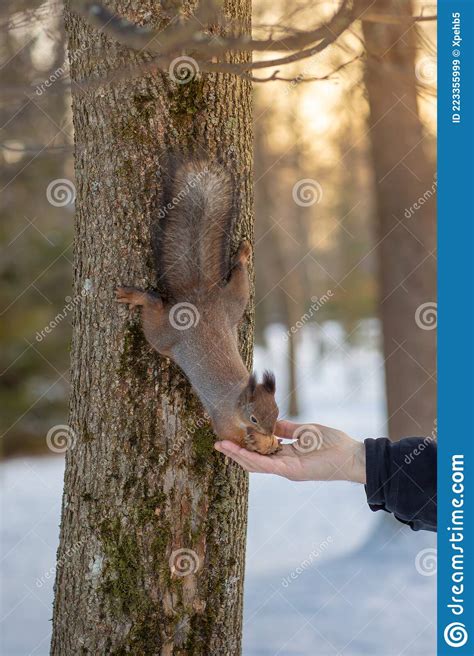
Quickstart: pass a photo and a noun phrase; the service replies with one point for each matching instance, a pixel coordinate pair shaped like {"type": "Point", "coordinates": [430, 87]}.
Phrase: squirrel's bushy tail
{"type": "Point", "coordinates": [196, 229]}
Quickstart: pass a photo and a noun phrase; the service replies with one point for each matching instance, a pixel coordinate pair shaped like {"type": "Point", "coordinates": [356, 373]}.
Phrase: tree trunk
{"type": "Point", "coordinates": [406, 239]}
{"type": "Point", "coordinates": [142, 480]}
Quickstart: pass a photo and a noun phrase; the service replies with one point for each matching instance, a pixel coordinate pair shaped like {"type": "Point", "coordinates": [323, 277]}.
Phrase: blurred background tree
{"type": "Point", "coordinates": [36, 147]}
{"type": "Point", "coordinates": [403, 171]}
{"type": "Point", "coordinates": [366, 135]}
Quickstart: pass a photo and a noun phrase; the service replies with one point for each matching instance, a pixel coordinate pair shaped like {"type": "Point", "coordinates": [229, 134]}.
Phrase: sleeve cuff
{"type": "Point", "coordinates": [401, 479]}
{"type": "Point", "coordinates": [381, 483]}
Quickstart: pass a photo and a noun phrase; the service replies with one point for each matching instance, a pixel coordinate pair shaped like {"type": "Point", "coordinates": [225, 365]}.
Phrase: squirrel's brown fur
{"type": "Point", "coordinates": [195, 242]}
{"type": "Point", "coordinates": [196, 325]}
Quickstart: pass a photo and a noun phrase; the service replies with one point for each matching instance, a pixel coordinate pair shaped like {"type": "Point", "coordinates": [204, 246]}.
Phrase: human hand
{"type": "Point", "coordinates": [320, 453]}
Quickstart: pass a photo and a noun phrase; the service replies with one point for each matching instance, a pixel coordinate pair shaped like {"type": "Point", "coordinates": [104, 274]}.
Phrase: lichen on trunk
{"type": "Point", "coordinates": [142, 481]}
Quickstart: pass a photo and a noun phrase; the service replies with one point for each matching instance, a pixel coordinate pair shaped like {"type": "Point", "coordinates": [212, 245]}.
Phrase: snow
{"type": "Point", "coordinates": [324, 574]}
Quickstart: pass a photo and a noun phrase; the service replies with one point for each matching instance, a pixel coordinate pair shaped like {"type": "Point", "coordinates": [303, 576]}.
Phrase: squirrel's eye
{"type": "Point", "coordinates": [253, 419]}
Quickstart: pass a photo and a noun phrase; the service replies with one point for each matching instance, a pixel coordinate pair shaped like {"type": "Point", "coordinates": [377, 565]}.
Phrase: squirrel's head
{"type": "Point", "coordinates": [258, 407]}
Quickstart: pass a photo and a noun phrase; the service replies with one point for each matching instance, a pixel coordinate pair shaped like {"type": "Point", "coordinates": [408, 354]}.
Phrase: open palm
{"type": "Point", "coordinates": [319, 453]}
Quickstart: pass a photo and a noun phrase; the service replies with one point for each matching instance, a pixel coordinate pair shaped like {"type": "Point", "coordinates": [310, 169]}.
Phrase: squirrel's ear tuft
{"type": "Point", "coordinates": [269, 382]}
{"type": "Point", "coordinates": [252, 384]}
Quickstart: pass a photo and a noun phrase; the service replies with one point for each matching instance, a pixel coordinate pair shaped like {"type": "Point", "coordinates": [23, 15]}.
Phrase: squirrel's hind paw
{"type": "Point", "coordinates": [267, 445]}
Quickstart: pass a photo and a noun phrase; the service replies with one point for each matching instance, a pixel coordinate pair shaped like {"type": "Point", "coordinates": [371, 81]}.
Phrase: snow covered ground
{"type": "Point", "coordinates": [325, 575]}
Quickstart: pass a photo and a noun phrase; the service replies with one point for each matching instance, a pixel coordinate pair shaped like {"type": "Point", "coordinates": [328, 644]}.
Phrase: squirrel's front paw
{"type": "Point", "coordinates": [264, 444]}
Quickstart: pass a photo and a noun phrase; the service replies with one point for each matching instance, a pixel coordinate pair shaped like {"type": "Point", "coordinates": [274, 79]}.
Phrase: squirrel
{"type": "Point", "coordinates": [195, 322]}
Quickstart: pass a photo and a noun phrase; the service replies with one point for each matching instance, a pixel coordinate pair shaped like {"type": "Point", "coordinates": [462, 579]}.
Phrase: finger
{"type": "Point", "coordinates": [287, 450]}
{"type": "Point", "coordinates": [232, 447]}
{"type": "Point", "coordinates": [254, 461]}
{"type": "Point", "coordinates": [236, 458]}
{"type": "Point", "coordinates": [239, 454]}
{"type": "Point", "coordinates": [236, 452]}
{"type": "Point", "coordinates": [285, 428]}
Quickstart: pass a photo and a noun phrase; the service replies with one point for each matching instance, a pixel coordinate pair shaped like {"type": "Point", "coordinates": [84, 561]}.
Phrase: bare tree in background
{"type": "Point", "coordinates": [34, 234]}
{"type": "Point", "coordinates": [406, 237]}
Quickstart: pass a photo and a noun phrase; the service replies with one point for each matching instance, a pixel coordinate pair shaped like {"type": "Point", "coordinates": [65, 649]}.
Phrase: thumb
{"type": "Point", "coordinates": [286, 429]}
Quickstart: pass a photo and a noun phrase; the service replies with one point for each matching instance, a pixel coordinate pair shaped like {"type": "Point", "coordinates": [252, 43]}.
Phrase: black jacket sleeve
{"type": "Point", "coordinates": [401, 479]}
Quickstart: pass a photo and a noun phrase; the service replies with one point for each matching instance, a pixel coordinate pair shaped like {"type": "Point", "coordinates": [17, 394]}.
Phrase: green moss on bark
{"type": "Point", "coordinates": [188, 99]}
{"type": "Point", "coordinates": [134, 353]}
{"type": "Point", "coordinates": [203, 448]}
{"type": "Point", "coordinates": [122, 576]}
{"type": "Point", "coordinates": [150, 509]}
{"type": "Point", "coordinates": [124, 587]}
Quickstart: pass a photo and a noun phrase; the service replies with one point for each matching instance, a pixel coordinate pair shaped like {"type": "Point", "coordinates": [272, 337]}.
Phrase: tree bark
{"type": "Point", "coordinates": [142, 479]}
{"type": "Point", "coordinates": [406, 240]}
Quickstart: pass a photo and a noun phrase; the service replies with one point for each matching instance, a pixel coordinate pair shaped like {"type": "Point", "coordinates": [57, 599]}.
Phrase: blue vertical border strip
{"type": "Point", "coordinates": [455, 327]}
